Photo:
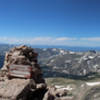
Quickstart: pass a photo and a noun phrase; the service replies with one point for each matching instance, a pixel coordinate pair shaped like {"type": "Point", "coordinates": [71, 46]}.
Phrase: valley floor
{"type": "Point", "coordinates": [78, 89]}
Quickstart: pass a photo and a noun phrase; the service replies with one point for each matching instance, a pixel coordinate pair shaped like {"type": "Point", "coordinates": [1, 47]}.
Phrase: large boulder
{"type": "Point", "coordinates": [21, 89]}
{"type": "Point", "coordinates": [56, 94]}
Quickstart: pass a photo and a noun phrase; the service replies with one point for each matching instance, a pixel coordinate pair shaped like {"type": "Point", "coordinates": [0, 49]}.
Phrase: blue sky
{"type": "Point", "coordinates": [50, 22]}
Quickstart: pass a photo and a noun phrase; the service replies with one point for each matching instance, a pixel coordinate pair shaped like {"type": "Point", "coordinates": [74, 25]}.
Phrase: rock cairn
{"type": "Point", "coordinates": [25, 89]}
{"type": "Point", "coordinates": [21, 55]}
{"type": "Point", "coordinates": [24, 55]}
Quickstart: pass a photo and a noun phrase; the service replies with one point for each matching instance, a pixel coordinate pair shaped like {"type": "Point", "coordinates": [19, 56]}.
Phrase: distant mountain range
{"type": "Point", "coordinates": [71, 48]}
{"type": "Point", "coordinates": [63, 63]}
{"type": "Point", "coordinates": [57, 61]}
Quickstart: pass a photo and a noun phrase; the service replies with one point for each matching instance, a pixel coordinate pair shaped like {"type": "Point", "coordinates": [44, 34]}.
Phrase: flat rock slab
{"type": "Point", "coordinates": [10, 89]}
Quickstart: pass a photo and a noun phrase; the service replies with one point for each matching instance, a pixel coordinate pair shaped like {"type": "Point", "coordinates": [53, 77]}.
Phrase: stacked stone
{"type": "Point", "coordinates": [23, 55]}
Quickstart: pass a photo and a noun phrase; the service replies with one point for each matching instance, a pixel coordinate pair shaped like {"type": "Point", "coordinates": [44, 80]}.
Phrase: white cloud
{"type": "Point", "coordinates": [65, 38]}
{"type": "Point", "coordinates": [37, 40]}
{"type": "Point", "coordinates": [68, 41]}
{"type": "Point", "coordinates": [95, 39]}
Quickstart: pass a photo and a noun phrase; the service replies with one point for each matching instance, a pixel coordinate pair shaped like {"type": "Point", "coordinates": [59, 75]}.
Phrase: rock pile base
{"type": "Point", "coordinates": [21, 89]}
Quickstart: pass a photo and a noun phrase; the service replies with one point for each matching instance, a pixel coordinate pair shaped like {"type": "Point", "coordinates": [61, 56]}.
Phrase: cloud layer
{"type": "Point", "coordinates": [69, 41]}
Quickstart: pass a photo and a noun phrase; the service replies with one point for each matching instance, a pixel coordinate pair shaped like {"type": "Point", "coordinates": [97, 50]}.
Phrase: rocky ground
{"type": "Point", "coordinates": [78, 89]}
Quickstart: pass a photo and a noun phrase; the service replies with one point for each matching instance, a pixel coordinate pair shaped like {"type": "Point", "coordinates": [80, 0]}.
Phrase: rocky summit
{"type": "Point", "coordinates": [27, 88]}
